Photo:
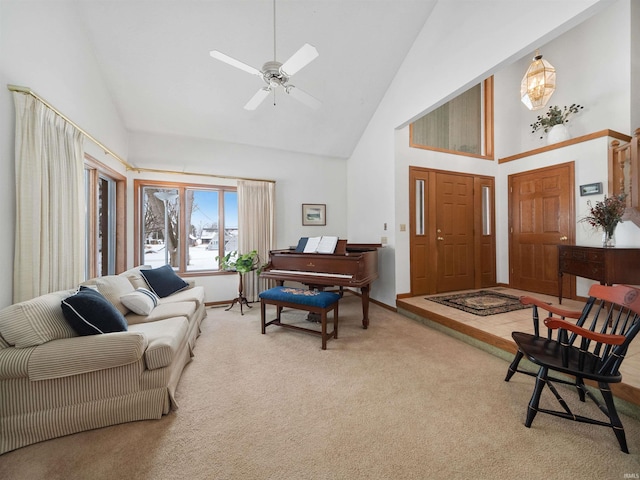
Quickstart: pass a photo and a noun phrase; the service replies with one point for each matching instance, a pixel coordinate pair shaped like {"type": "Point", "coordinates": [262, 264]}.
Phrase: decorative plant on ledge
{"type": "Point", "coordinates": [555, 116]}
{"type": "Point", "coordinates": [243, 263]}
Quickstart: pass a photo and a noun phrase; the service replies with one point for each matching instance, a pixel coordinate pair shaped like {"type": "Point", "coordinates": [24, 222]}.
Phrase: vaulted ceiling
{"type": "Point", "coordinates": [156, 64]}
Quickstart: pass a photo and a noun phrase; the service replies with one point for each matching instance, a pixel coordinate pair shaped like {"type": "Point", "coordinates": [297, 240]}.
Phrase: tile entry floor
{"type": "Point", "coordinates": [496, 329]}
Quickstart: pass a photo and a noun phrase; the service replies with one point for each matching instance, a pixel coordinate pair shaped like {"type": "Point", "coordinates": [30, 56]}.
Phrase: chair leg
{"type": "Point", "coordinates": [616, 424]}
{"type": "Point", "coordinates": [323, 320]}
{"type": "Point", "coordinates": [541, 381]}
{"type": "Point", "coordinates": [335, 321]}
{"type": "Point", "coordinates": [580, 386]}
{"type": "Point", "coordinates": [514, 366]}
{"type": "Point", "coordinates": [262, 316]}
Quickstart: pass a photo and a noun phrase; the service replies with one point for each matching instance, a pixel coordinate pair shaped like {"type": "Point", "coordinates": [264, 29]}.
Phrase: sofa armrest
{"type": "Point", "coordinates": [78, 355]}
{"type": "Point", "coordinates": [14, 362]}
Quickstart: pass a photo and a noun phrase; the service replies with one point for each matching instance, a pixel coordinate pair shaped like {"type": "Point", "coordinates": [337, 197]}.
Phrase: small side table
{"type": "Point", "coordinates": [241, 299]}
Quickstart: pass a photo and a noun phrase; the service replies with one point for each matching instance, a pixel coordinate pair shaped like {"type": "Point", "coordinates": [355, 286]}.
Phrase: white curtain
{"type": "Point", "coordinates": [256, 226]}
{"type": "Point", "coordinates": [50, 201]}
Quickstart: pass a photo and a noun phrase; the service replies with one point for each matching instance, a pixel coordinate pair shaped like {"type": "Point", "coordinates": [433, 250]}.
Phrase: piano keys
{"type": "Point", "coordinates": [353, 265]}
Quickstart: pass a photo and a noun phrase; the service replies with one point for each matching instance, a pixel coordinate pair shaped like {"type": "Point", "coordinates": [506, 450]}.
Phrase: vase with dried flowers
{"type": "Point", "coordinates": [606, 215]}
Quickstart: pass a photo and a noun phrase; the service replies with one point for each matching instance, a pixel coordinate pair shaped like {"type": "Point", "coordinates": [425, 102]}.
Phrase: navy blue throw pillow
{"type": "Point", "coordinates": [163, 280]}
{"type": "Point", "coordinates": [88, 312]}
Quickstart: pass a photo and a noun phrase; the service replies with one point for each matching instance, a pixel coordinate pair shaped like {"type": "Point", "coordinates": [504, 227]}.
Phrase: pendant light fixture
{"type": "Point", "coordinates": [538, 84]}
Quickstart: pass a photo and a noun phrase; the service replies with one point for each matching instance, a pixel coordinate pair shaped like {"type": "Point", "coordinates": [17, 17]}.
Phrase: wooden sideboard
{"type": "Point", "coordinates": [606, 265]}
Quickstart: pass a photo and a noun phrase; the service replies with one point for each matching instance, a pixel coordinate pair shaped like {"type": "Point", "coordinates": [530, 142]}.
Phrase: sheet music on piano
{"type": "Point", "coordinates": [324, 244]}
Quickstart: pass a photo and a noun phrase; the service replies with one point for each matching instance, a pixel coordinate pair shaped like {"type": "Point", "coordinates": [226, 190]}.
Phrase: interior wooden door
{"type": "Point", "coordinates": [541, 217]}
{"type": "Point", "coordinates": [454, 232]}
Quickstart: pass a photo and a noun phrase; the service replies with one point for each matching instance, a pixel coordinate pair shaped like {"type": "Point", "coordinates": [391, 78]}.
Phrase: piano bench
{"type": "Point", "coordinates": [300, 299]}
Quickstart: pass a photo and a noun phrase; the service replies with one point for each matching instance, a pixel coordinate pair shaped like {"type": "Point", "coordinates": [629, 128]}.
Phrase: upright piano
{"type": "Point", "coordinates": [351, 265]}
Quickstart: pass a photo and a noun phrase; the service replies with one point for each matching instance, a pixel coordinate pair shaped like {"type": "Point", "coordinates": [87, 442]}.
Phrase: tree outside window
{"type": "Point", "coordinates": [201, 224]}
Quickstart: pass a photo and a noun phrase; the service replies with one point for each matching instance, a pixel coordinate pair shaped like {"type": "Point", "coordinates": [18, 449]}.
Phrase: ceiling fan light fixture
{"type": "Point", "coordinates": [276, 74]}
{"type": "Point", "coordinates": [538, 83]}
{"type": "Point", "coordinates": [272, 74]}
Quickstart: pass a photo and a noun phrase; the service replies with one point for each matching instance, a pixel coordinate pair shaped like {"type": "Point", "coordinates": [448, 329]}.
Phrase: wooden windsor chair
{"type": "Point", "coordinates": [592, 348]}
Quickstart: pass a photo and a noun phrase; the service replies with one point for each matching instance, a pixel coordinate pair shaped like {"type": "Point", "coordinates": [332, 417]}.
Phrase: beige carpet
{"type": "Point", "coordinates": [396, 401]}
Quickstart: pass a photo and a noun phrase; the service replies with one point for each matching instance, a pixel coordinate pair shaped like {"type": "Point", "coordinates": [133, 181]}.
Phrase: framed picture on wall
{"type": "Point", "coordinates": [314, 214]}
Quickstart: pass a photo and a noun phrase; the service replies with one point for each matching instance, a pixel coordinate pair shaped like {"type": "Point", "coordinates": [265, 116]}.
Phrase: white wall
{"type": "Point", "coordinates": [42, 46]}
{"type": "Point", "coordinates": [442, 62]}
{"type": "Point", "coordinates": [299, 179]}
{"type": "Point", "coordinates": [634, 21]}
{"type": "Point", "coordinates": [7, 176]}
{"type": "Point", "coordinates": [593, 69]}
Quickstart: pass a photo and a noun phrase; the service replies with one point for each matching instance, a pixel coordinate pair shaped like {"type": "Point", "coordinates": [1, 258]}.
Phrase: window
{"type": "Point", "coordinates": [463, 125]}
{"type": "Point", "coordinates": [105, 236]}
{"type": "Point", "coordinates": [185, 226]}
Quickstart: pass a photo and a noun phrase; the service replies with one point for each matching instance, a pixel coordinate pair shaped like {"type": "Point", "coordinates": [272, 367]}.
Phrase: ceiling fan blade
{"type": "Point", "coordinates": [257, 99]}
{"type": "Point", "coordinates": [234, 63]}
{"type": "Point", "coordinates": [298, 60]}
{"type": "Point", "coordinates": [303, 97]}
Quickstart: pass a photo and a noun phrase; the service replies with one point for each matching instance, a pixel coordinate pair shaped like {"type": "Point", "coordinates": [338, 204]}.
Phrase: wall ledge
{"type": "Point", "coordinates": [571, 141]}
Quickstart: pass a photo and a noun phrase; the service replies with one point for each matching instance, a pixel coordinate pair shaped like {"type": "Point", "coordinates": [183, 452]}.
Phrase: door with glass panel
{"type": "Point", "coordinates": [452, 241]}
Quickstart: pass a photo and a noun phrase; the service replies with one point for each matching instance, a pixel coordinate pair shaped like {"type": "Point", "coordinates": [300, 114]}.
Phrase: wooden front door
{"type": "Point", "coordinates": [541, 217]}
{"type": "Point", "coordinates": [452, 245]}
{"type": "Point", "coordinates": [454, 232]}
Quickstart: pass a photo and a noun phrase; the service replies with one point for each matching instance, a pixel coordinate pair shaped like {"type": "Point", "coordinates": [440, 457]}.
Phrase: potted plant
{"type": "Point", "coordinates": [552, 119]}
{"type": "Point", "coordinates": [241, 263]}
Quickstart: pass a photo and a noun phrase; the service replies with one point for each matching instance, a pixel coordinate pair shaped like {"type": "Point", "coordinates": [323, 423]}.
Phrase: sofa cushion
{"type": "Point", "coordinates": [163, 311]}
{"type": "Point", "coordinates": [142, 301]}
{"type": "Point", "coordinates": [134, 276]}
{"type": "Point", "coordinates": [164, 337]}
{"type": "Point", "coordinates": [90, 313]}
{"type": "Point", "coordinates": [163, 280]}
{"type": "Point", "coordinates": [193, 294]}
{"type": "Point", "coordinates": [113, 287]}
{"type": "Point", "coordinates": [36, 321]}
{"type": "Point", "coordinates": [3, 343]}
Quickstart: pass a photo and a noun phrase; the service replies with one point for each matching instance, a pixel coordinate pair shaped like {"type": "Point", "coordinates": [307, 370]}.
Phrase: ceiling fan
{"type": "Point", "coordinates": [276, 74]}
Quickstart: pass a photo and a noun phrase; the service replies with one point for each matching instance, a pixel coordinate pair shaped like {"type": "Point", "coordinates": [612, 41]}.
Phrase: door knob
{"type": "Point", "coordinates": [440, 238]}
{"type": "Point", "coordinates": [563, 238]}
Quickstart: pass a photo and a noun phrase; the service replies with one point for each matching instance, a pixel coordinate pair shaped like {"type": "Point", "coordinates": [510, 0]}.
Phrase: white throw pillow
{"type": "Point", "coordinates": [141, 301]}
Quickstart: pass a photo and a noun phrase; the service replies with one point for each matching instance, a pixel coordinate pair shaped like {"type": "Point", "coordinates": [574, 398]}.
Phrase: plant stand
{"type": "Point", "coordinates": [241, 299]}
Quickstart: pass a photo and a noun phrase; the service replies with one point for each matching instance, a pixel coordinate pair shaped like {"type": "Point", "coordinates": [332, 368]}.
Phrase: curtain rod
{"type": "Point", "coordinates": [176, 172]}
{"type": "Point", "coordinates": [28, 91]}
{"type": "Point", "coordinates": [129, 167]}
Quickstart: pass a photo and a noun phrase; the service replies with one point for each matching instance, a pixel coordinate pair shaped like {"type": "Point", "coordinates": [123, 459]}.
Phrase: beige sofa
{"type": "Point", "coordinates": [54, 382]}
